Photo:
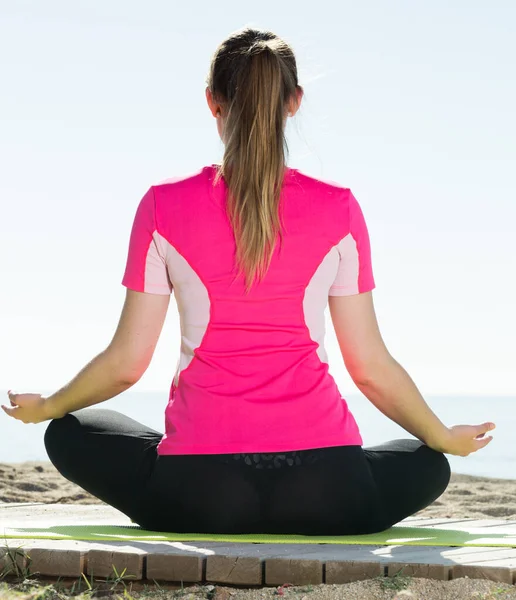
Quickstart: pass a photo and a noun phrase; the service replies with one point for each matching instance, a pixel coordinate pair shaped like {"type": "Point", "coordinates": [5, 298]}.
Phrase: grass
{"type": "Point", "coordinates": [24, 585]}
{"type": "Point", "coordinates": [397, 582]}
{"type": "Point", "coordinates": [14, 562]}
{"type": "Point", "coordinates": [83, 589]}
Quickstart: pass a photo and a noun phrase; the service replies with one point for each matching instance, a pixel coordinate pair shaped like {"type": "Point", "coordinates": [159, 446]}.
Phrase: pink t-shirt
{"type": "Point", "coordinates": [252, 374]}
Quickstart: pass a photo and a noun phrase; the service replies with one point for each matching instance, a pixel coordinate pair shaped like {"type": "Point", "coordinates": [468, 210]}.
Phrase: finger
{"type": "Point", "coordinates": [484, 428]}
{"type": "Point", "coordinates": [12, 397]}
{"type": "Point", "coordinates": [10, 411]}
{"type": "Point", "coordinates": [482, 443]}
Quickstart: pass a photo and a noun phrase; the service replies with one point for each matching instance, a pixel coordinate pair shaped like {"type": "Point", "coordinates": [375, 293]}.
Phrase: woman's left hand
{"type": "Point", "coordinates": [29, 408]}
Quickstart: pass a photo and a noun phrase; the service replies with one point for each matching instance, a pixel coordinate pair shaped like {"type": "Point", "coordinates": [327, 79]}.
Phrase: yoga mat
{"type": "Point", "coordinates": [407, 536]}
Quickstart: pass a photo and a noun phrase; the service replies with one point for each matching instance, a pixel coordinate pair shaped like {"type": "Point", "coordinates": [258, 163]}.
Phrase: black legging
{"type": "Point", "coordinates": [324, 491]}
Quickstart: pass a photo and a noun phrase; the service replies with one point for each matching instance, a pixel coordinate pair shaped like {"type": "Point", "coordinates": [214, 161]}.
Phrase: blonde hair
{"type": "Point", "coordinates": [253, 74]}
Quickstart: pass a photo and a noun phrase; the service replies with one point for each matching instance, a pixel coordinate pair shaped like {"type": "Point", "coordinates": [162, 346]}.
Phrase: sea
{"type": "Point", "coordinates": [21, 442]}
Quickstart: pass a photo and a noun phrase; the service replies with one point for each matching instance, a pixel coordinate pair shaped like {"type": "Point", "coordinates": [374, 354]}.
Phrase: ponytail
{"type": "Point", "coordinates": [259, 82]}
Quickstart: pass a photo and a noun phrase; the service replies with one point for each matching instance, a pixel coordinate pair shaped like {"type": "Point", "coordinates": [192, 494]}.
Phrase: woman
{"type": "Point", "coordinates": [257, 436]}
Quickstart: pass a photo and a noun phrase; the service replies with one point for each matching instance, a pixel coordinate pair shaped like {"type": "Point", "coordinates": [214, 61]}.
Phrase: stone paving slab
{"type": "Point", "coordinates": [243, 563]}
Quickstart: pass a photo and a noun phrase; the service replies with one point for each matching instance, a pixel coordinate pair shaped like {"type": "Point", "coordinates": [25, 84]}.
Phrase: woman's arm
{"type": "Point", "coordinates": [123, 362]}
{"type": "Point", "coordinates": [101, 379]}
{"type": "Point", "coordinates": [111, 372]}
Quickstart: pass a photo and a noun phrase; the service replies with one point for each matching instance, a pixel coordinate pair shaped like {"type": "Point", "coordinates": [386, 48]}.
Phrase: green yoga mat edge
{"type": "Point", "coordinates": [396, 535]}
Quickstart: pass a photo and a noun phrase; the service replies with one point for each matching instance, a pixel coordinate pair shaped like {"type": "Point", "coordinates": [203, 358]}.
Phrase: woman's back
{"type": "Point", "coordinates": [253, 371]}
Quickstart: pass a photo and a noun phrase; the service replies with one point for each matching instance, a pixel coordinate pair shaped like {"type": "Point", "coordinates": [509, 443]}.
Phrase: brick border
{"type": "Point", "coordinates": [240, 571]}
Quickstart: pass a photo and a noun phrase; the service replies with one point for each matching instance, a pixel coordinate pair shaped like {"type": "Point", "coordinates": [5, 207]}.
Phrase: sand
{"type": "Point", "coordinates": [466, 497]}
{"type": "Point", "coordinates": [371, 589]}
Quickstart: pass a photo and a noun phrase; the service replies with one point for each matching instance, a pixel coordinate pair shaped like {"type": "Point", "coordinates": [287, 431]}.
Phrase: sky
{"type": "Point", "coordinates": [409, 104]}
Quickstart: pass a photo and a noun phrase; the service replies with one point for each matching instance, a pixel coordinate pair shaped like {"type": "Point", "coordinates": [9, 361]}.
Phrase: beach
{"type": "Point", "coordinates": [467, 496]}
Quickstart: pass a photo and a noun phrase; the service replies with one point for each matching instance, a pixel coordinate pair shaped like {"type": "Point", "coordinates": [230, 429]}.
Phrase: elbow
{"type": "Point", "coordinates": [117, 366]}
{"type": "Point", "coordinates": [130, 378]}
{"type": "Point", "coordinates": [375, 372]}
{"type": "Point", "coordinates": [360, 380]}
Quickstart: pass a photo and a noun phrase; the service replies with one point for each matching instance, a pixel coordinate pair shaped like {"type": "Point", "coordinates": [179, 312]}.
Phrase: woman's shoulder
{"type": "Point", "coordinates": [318, 183]}
{"type": "Point", "coordinates": [186, 178]}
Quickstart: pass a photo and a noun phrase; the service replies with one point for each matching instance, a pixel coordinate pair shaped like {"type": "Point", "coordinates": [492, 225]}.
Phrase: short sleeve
{"type": "Point", "coordinates": [355, 270]}
{"type": "Point", "coordinates": [146, 266]}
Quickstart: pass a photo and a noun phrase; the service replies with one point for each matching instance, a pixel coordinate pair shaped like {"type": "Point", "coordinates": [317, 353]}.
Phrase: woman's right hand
{"type": "Point", "coordinates": [465, 439]}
